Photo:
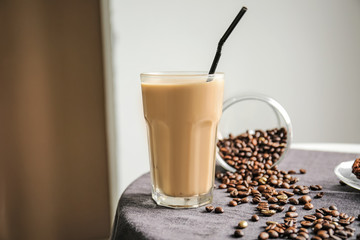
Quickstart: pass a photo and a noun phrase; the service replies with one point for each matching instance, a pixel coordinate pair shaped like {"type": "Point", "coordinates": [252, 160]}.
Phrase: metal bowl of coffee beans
{"type": "Point", "coordinates": [253, 128]}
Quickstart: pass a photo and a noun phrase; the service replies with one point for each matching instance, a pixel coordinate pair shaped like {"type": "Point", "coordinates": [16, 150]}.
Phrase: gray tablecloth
{"type": "Point", "coordinates": [138, 217]}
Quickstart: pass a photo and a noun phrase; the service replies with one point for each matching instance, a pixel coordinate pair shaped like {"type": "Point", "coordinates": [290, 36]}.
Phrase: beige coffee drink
{"type": "Point", "coordinates": [182, 111]}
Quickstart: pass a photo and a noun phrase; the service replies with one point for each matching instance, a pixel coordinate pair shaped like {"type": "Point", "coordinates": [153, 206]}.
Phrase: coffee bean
{"type": "Point", "coordinates": [282, 197]}
{"type": "Point", "coordinates": [263, 236]}
{"type": "Point", "coordinates": [305, 199]}
{"type": "Point", "coordinates": [302, 171]}
{"type": "Point", "coordinates": [280, 208]}
{"type": "Point", "coordinates": [268, 212]}
{"type": "Point", "coordinates": [308, 206]}
{"type": "Point", "coordinates": [303, 234]}
{"type": "Point", "coordinates": [289, 231]}
{"type": "Point", "coordinates": [219, 210]}
{"type": "Point", "coordinates": [222, 186]}
{"type": "Point", "coordinates": [318, 227]}
{"type": "Point", "coordinates": [238, 233]}
{"type": "Point", "coordinates": [323, 234]}
{"type": "Point", "coordinates": [289, 194]}
{"type": "Point", "coordinates": [327, 226]}
{"type": "Point", "coordinates": [316, 238]}
{"type": "Point", "coordinates": [234, 193]}
{"type": "Point", "coordinates": [244, 200]}
{"type": "Point", "coordinates": [335, 213]}
{"type": "Point", "coordinates": [271, 223]}
{"type": "Point", "coordinates": [273, 234]}
{"type": "Point", "coordinates": [273, 200]}
{"type": "Point", "coordinates": [292, 214]}
{"type": "Point", "coordinates": [316, 187]}
{"type": "Point", "coordinates": [319, 195]}
{"type": "Point", "coordinates": [306, 224]}
{"type": "Point", "coordinates": [292, 209]}
{"type": "Point", "coordinates": [291, 172]}
{"type": "Point", "coordinates": [293, 201]}
{"type": "Point", "coordinates": [318, 215]}
{"type": "Point", "coordinates": [255, 218]}
{"type": "Point", "coordinates": [344, 222]}
{"type": "Point", "coordinates": [243, 224]}
{"type": "Point", "coordinates": [274, 206]}
{"type": "Point", "coordinates": [303, 230]}
{"type": "Point", "coordinates": [209, 208]}
{"type": "Point", "coordinates": [310, 217]}
{"type": "Point", "coordinates": [232, 203]}
{"type": "Point", "coordinates": [343, 215]}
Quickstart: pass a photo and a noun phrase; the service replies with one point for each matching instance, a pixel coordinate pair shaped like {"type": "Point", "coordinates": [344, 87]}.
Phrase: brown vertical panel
{"type": "Point", "coordinates": [54, 176]}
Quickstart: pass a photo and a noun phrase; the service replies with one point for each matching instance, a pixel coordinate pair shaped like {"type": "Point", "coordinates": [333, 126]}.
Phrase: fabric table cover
{"type": "Point", "coordinates": [138, 217]}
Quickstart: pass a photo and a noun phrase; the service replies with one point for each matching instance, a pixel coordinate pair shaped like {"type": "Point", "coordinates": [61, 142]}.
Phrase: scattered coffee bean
{"type": "Point", "coordinates": [273, 200]}
{"type": "Point", "coordinates": [316, 238]}
{"type": "Point", "coordinates": [271, 223]}
{"type": "Point", "coordinates": [304, 235]}
{"type": "Point", "coordinates": [316, 187]}
{"type": "Point", "coordinates": [293, 201]}
{"type": "Point", "coordinates": [306, 224]}
{"type": "Point", "coordinates": [310, 218]}
{"type": "Point", "coordinates": [219, 210]}
{"type": "Point", "coordinates": [238, 233]}
{"type": "Point", "coordinates": [244, 200]}
{"type": "Point", "coordinates": [323, 234]}
{"type": "Point", "coordinates": [268, 212]}
{"type": "Point", "coordinates": [305, 199]}
{"type": "Point", "coordinates": [333, 207]}
{"type": "Point", "coordinates": [308, 206]}
{"type": "Point", "coordinates": [255, 218]}
{"type": "Point", "coordinates": [292, 209]}
{"type": "Point", "coordinates": [282, 197]}
{"type": "Point", "coordinates": [280, 208]}
{"type": "Point", "coordinates": [242, 224]}
{"type": "Point", "coordinates": [232, 203]}
{"type": "Point", "coordinates": [291, 214]}
{"type": "Point", "coordinates": [209, 208]}
{"type": "Point", "coordinates": [263, 236]}
{"type": "Point", "coordinates": [319, 195]}
{"type": "Point", "coordinates": [302, 171]}
{"type": "Point", "coordinates": [273, 234]}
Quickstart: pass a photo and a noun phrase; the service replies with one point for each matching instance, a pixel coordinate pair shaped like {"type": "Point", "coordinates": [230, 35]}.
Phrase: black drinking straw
{"type": "Point", "coordinates": [222, 41]}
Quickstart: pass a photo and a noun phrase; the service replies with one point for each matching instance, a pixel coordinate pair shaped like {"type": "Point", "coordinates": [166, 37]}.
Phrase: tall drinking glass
{"type": "Point", "coordinates": [182, 111]}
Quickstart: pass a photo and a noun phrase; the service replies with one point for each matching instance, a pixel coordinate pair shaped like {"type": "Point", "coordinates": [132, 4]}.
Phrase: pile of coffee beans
{"type": "Point", "coordinates": [325, 223]}
{"type": "Point", "coordinates": [259, 148]}
{"type": "Point", "coordinates": [259, 182]}
{"type": "Point", "coordinates": [356, 168]}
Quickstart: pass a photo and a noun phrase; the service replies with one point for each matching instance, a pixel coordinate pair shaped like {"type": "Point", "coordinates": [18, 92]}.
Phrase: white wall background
{"type": "Point", "coordinates": [304, 53]}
